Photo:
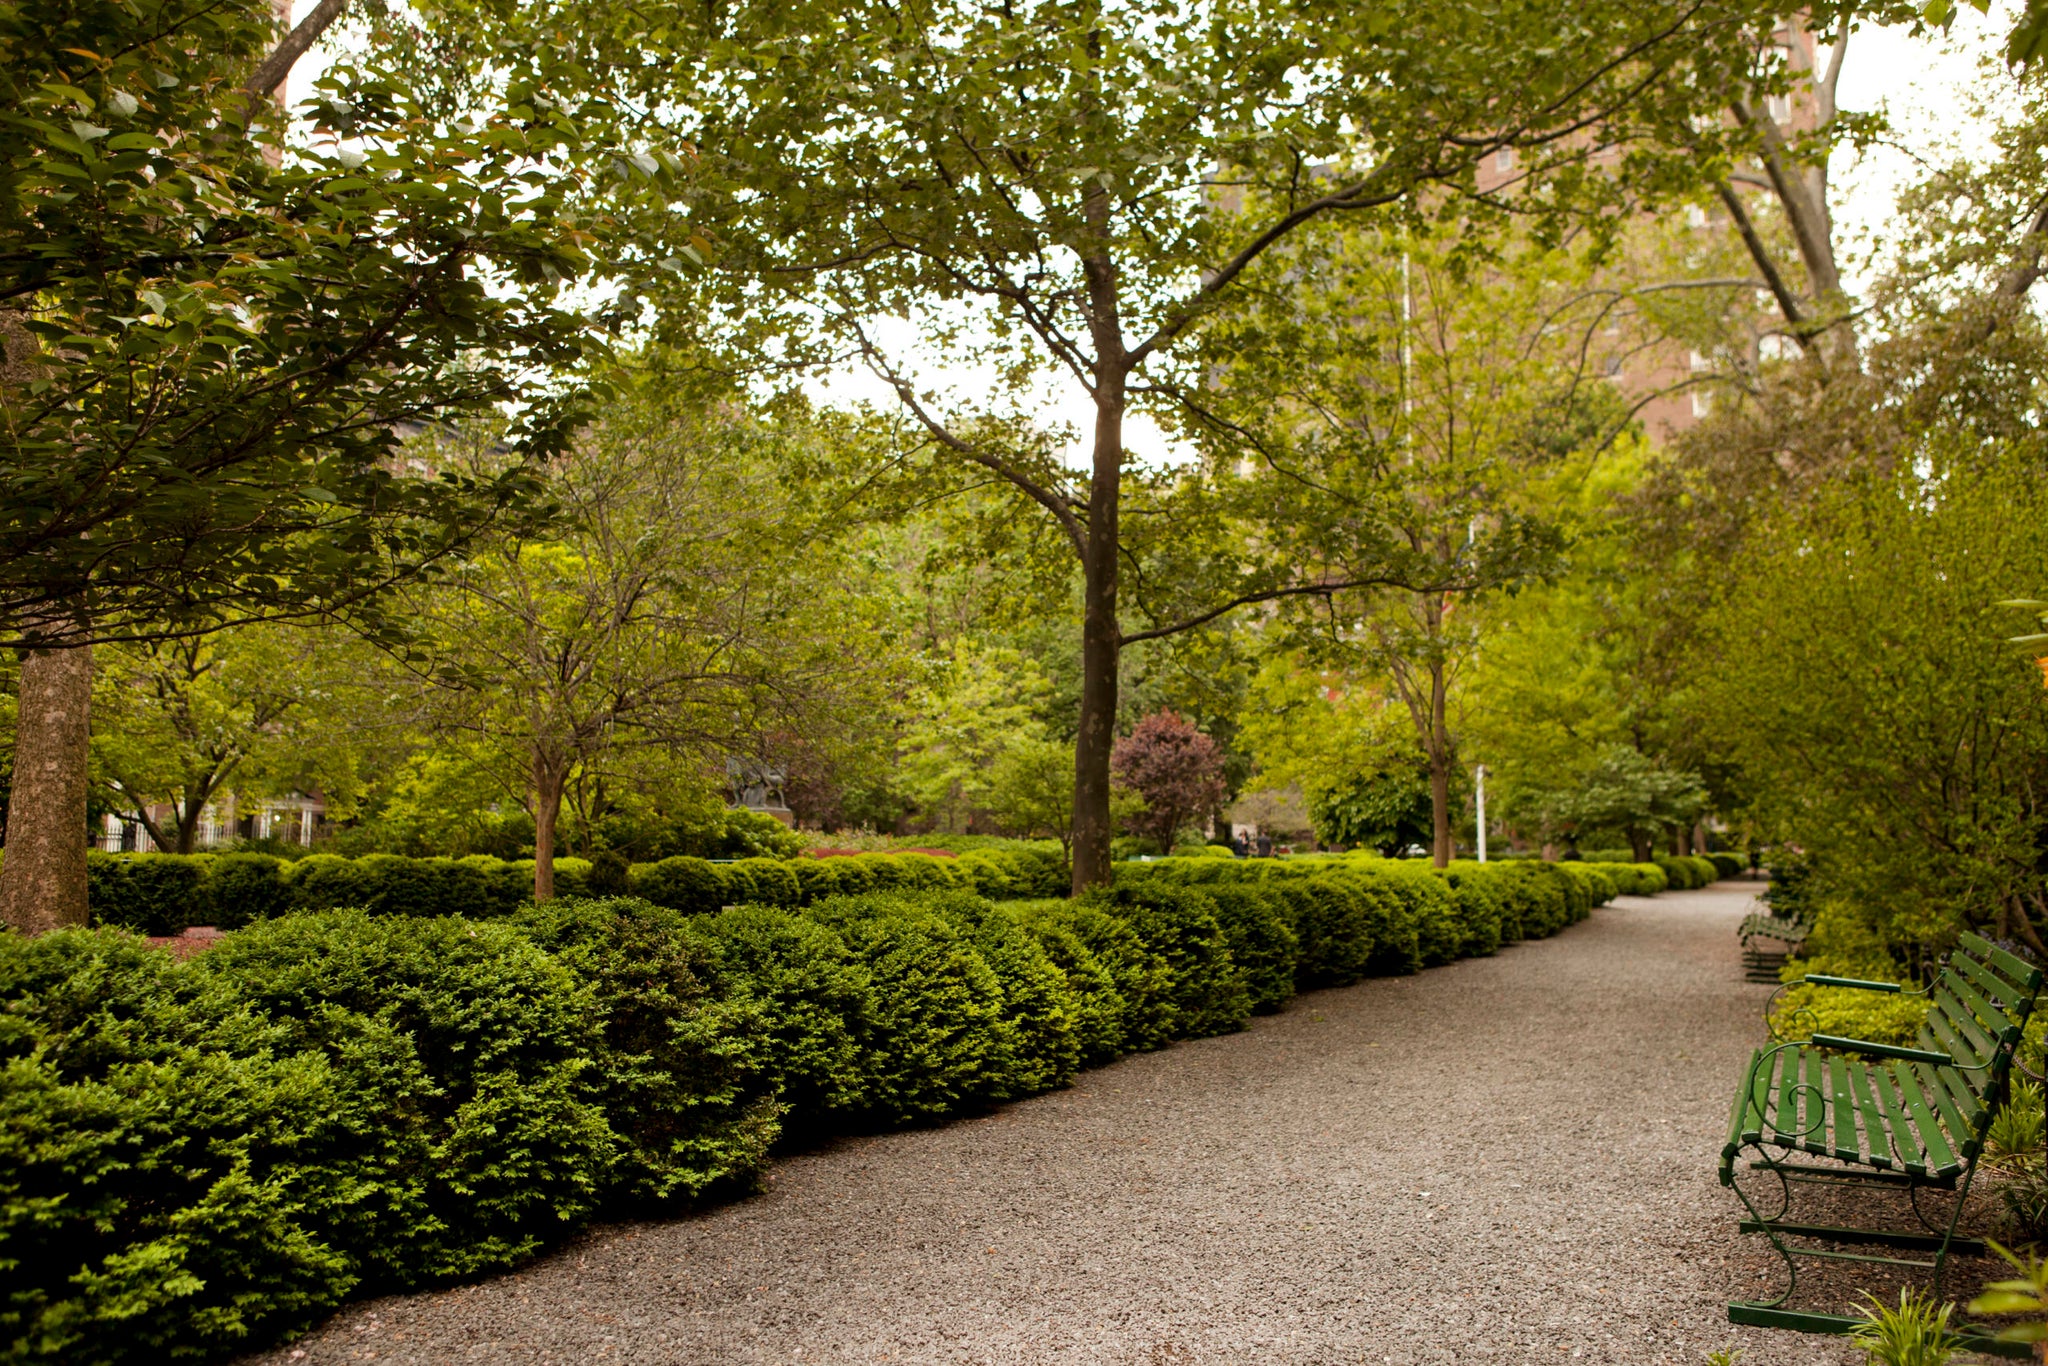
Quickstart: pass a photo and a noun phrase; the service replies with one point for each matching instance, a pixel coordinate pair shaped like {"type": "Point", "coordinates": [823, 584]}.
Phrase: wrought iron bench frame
{"type": "Point", "coordinates": [1924, 1112]}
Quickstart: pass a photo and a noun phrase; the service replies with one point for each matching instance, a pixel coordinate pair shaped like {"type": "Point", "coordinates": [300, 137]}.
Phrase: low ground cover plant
{"type": "Point", "coordinates": [196, 1157]}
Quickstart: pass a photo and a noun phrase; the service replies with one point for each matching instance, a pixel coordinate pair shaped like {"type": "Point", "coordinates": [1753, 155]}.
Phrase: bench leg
{"type": "Point", "coordinates": [1940, 1239]}
{"type": "Point", "coordinates": [1949, 1240]}
{"type": "Point", "coordinates": [1768, 1227]}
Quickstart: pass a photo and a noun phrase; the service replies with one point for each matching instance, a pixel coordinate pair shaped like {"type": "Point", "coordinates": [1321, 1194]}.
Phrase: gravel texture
{"type": "Point", "coordinates": [1508, 1159]}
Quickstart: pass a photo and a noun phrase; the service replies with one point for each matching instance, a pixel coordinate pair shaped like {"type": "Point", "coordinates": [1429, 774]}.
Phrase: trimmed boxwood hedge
{"type": "Point", "coordinates": [162, 894]}
{"type": "Point", "coordinates": [197, 1157]}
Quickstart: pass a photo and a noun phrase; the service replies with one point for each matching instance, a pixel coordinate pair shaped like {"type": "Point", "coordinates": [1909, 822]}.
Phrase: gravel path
{"type": "Point", "coordinates": [1508, 1159]}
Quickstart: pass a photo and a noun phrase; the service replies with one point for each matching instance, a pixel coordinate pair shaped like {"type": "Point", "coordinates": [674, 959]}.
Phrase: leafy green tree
{"type": "Point", "coordinates": [1882, 725]}
{"type": "Point", "coordinates": [1387, 811]}
{"type": "Point", "coordinates": [1408, 395]}
{"type": "Point", "coordinates": [959, 726]}
{"type": "Point", "coordinates": [1629, 793]}
{"type": "Point", "coordinates": [212, 335]}
{"type": "Point", "coordinates": [251, 710]}
{"type": "Point", "coordinates": [1060, 190]}
{"type": "Point", "coordinates": [1031, 790]}
{"type": "Point", "coordinates": [676, 604]}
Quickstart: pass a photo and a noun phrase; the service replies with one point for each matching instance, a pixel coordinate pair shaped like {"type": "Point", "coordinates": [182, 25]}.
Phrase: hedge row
{"type": "Point", "coordinates": [195, 1158]}
{"type": "Point", "coordinates": [1688, 871]}
{"type": "Point", "coordinates": [164, 893]}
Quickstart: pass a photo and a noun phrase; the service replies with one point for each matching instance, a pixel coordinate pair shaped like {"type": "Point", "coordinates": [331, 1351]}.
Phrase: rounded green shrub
{"type": "Point", "coordinates": [506, 886]}
{"type": "Point", "coordinates": [461, 1125]}
{"type": "Point", "coordinates": [885, 872]}
{"type": "Point", "coordinates": [242, 888]}
{"type": "Point", "coordinates": [690, 885]}
{"type": "Point", "coordinates": [989, 873]}
{"type": "Point", "coordinates": [855, 874]}
{"type": "Point", "coordinates": [1143, 978]}
{"type": "Point", "coordinates": [1416, 897]}
{"type": "Point", "coordinates": [1039, 1049]}
{"type": "Point", "coordinates": [932, 1039]}
{"type": "Point", "coordinates": [681, 1069]}
{"type": "Point", "coordinates": [813, 997]}
{"type": "Point", "coordinates": [1098, 1006]}
{"type": "Point", "coordinates": [422, 887]}
{"type": "Point", "coordinates": [773, 882]}
{"type": "Point", "coordinates": [322, 882]}
{"type": "Point", "coordinates": [1333, 924]}
{"type": "Point", "coordinates": [1261, 941]}
{"type": "Point", "coordinates": [148, 893]}
{"type": "Point", "coordinates": [816, 878]}
{"type": "Point", "coordinates": [154, 1147]}
{"type": "Point", "coordinates": [1477, 904]}
{"type": "Point", "coordinates": [1206, 990]}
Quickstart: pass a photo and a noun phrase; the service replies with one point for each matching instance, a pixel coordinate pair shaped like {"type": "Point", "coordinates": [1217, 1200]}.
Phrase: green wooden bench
{"type": "Point", "coordinates": [1902, 1119]}
{"type": "Point", "coordinates": [1768, 939]}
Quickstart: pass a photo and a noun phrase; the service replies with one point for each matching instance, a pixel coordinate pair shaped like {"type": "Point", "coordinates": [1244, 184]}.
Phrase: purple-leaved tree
{"type": "Point", "coordinates": [1175, 768]}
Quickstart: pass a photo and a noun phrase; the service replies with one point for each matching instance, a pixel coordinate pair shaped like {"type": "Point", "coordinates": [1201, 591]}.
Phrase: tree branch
{"type": "Point", "coordinates": [1323, 588]}
{"type": "Point", "coordinates": [270, 73]}
{"type": "Point", "coordinates": [1808, 219]}
{"type": "Point", "coordinates": [1077, 535]}
{"type": "Point", "coordinates": [1788, 303]}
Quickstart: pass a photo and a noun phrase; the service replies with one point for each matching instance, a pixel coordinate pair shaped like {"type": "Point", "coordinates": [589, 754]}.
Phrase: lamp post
{"type": "Point", "coordinates": [1479, 788]}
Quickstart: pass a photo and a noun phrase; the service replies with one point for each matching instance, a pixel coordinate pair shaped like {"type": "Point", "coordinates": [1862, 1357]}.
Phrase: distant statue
{"type": "Point", "coordinates": [756, 785]}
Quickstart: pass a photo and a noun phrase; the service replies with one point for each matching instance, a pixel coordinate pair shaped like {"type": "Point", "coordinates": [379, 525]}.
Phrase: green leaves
{"type": "Point", "coordinates": [220, 318]}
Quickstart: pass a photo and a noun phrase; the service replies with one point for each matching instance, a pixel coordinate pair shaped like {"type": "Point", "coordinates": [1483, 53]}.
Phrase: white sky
{"type": "Point", "coordinates": [1929, 90]}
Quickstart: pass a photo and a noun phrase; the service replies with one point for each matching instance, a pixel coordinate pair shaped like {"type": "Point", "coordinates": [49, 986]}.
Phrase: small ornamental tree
{"type": "Point", "coordinates": [1175, 768]}
{"type": "Point", "coordinates": [1631, 793]}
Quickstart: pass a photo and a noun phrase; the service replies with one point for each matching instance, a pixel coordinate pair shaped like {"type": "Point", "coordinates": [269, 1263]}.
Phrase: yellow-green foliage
{"type": "Point", "coordinates": [1868, 1015]}
{"type": "Point", "coordinates": [1838, 950]}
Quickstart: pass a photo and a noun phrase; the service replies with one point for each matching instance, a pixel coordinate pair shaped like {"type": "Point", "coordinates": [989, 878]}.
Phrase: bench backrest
{"type": "Point", "coordinates": [1978, 1009]}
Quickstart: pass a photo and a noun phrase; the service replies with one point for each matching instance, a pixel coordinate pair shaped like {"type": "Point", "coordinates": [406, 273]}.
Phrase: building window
{"type": "Point", "coordinates": [1695, 216]}
{"type": "Point", "coordinates": [1780, 107]}
{"type": "Point", "coordinates": [1700, 406]}
{"type": "Point", "coordinates": [1504, 160]}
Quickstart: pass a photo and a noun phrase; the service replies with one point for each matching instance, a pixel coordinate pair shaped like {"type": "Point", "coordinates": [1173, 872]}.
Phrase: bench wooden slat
{"type": "Point", "coordinates": [1941, 1159]}
{"type": "Point", "coordinates": [1847, 1146]}
{"type": "Point", "coordinates": [1903, 1143]}
{"type": "Point", "coordinates": [2026, 974]}
{"type": "Point", "coordinates": [1951, 1042]}
{"type": "Point", "coordinates": [1787, 1110]}
{"type": "Point", "coordinates": [2001, 993]}
{"type": "Point", "coordinates": [1873, 1118]}
{"type": "Point", "coordinates": [1959, 1018]}
{"type": "Point", "coordinates": [1996, 1024]}
{"type": "Point", "coordinates": [1960, 1130]}
{"type": "Point", "coordinates": [1815, 1098]}
{"type": "Point", "coordinates": [1740, 1113]}
{"type": "Point", "coordinates": [1975, 1112]}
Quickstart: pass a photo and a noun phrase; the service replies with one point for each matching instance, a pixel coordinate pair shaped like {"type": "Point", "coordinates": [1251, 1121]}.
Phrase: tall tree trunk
{"type": "Point", "coordinates": [548, 782]}
{"type": "Point", "coordinates": [1100, 647]}
{"type": "Point", "coordinates": [42, 877]}
{"type": "Point", "coordinates": [1439, 767]}
{"type": "Point", "coordinates": [1101, 636]}
{"type": "Point", "coordinates": [189, 811]}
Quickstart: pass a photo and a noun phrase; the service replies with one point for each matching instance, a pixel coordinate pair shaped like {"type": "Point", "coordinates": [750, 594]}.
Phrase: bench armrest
{"type": "Point", "coordinates": [1815, 979]}
{"type": "Point", "coordinates": [1883, 1050]}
